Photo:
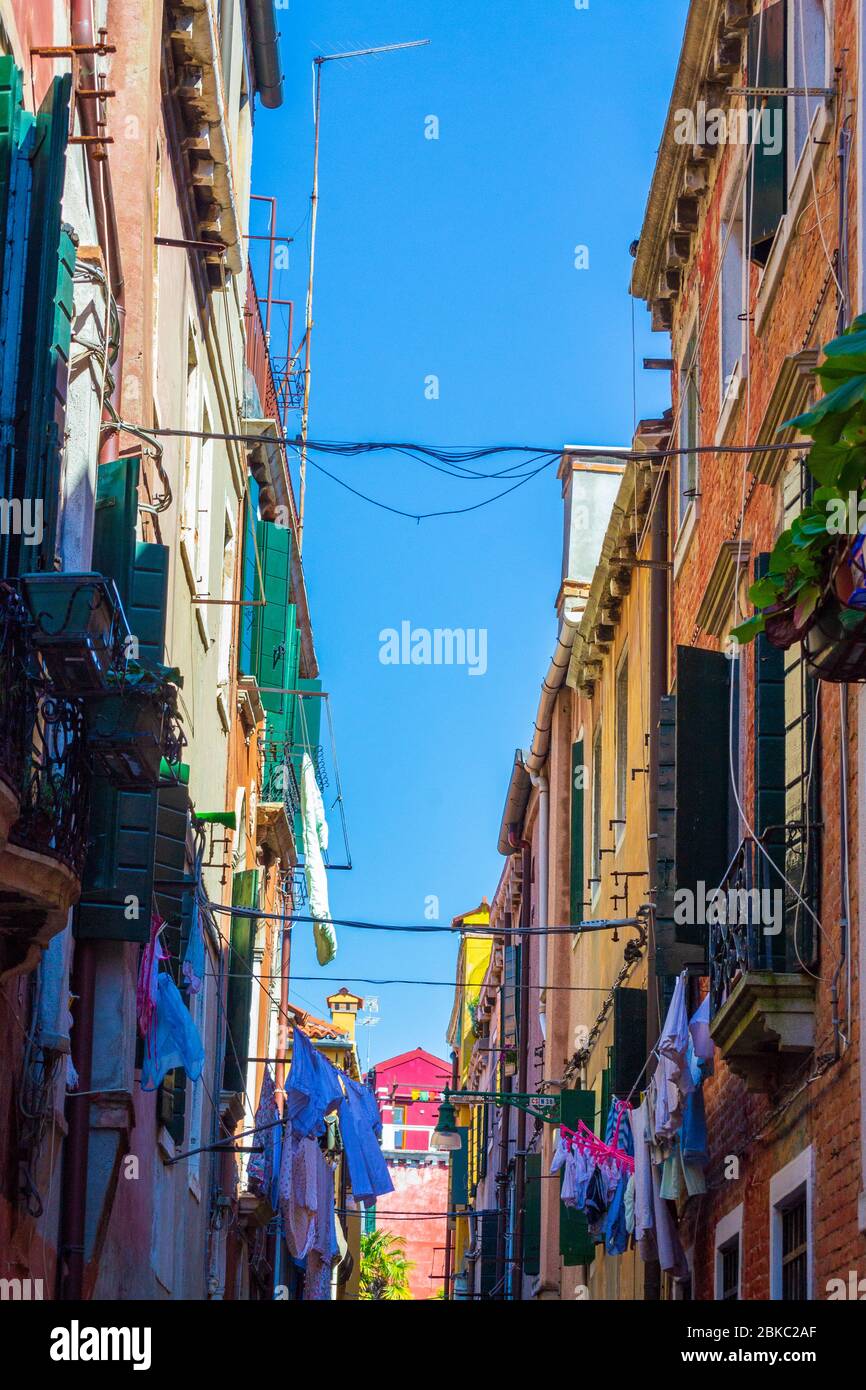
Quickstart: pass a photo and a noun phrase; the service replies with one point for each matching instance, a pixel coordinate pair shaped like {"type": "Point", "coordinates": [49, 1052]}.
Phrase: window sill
{"type": "Point", "coordinates": [685, 534]}
{"type": "Point", "coordinates": [729, 404]}
{"type": "Point", "coordinates": [801, 189]}
{"type": "Point", "coordinates": [222, 709]}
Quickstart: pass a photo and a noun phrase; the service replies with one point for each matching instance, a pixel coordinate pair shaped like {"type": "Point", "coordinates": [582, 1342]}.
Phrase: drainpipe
{"type": "Point", "coordinates": [540, 782]}
{"type": "Point", "coordinates": [266, 52]}
{"type": "Point", "coordinates": [449, 1222]}
{"type": "Point", "coordinates": [658, 667]}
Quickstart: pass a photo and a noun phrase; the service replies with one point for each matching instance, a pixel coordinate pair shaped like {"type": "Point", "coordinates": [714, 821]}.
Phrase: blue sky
{"type": "Point", "coordinates": [455, 258]}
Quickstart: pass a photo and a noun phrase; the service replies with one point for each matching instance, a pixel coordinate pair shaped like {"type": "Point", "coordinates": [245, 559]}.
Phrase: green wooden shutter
{"type": "Point", "coordinates": [575, 1244]}
{"type": "Point", "coordinates": [629, 1038]}
{"type": "Point", "coordinates": [245, 893]}
{"type": "Point", "coordinates": [532, 1216]}
{"type": "Point", "coordinates": [577, 833]}
{"type": "Point", "coordinates": [170, 862]}
{"type": "Point", "coordinates": [15, 127]}
{"type": "Point", "coordinates": [120, 862]}
{"type": "Point", "coordinates": [489, 1239]}
{"type": "Point", "coordinates": [148, 600]}
{"type": "Point", "coordinates": [115, 518]}
{"type": "Point", "coordinates": [767, 185]}
{"type": "Point", "coordinates": [510, 1012]}
{"type": "Point", "coordinates": [702, 774]}
{"type": "Point", "coordinates": [308, 713]}
{"type": "Point", "coordinates": [606, 1092]}
{"type": "Point", "coordinates": [44, 364]}
{"type": "Point", "coordinates": [693, 780]}
{"type": "Point", "coordinates": [249, 614]}
{"type": "Point", "coordinates": [459, 1190]}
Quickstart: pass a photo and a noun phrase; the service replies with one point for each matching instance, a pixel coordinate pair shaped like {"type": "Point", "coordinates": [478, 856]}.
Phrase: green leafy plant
{"type": "Point", "coordinates": [807, 556]}
{"type": "Point", "coordinates": [384, 1275]}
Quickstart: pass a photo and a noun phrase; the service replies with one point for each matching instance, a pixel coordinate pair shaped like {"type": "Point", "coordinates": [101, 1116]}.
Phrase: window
{"type": "Point", "coordinates": [732, 296]}
{"type": "Point", "coordinates": [794, 1253]}
{"type": "Point", "coordinates": [807, 67]}
{"type": "Point", "coordinates": [399, 1138]}
{"type": "Point", "coordinates": [621, 744]}
{"type": "Point", "coordinates": [596, 810]}
{"type": "Point", "coordinates": [369, 1219]}
{"type": "Point", "coordinates": [792, 36]}
{"type": "Point", "coordinates": [227, 610]}
{"type": "Point", "coordinates": [791, 1230]}
{"type": "Point", "coordinates": [399, 1115]}
{"type": "Point", "coordinates": [728, 1244]}
{"type": "Point", "coordinates": [688, 462]}
{"type": "Point", "coordinates": [192, 453]}
{"type": "Point", "coordinates": [730, 1254]}
{"type": "Point", "coordinates": [802, 769]}
{"type": "Point", "coordinates": [203, 509]}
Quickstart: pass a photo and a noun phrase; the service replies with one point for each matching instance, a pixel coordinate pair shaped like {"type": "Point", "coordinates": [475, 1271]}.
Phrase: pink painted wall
{"type": "Point", "coordinates": [420, 1197]}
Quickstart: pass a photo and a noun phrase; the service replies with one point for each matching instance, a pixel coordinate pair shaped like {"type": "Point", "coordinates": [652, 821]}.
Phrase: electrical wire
{"type": "Point", "coordinates": [256, 914]}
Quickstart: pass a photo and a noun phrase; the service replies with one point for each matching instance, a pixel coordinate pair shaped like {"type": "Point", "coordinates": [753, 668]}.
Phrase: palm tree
{"type": "Point", "coordinates": [384, 1267]}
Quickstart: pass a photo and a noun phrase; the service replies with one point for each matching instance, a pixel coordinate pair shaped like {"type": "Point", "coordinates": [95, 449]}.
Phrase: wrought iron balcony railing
{"type": "Point", "coordinates": [758, 922]}
{"type": "Point", "coordinates": [53, 819]}
{"type": "Point", "coordinates": [13, 687]}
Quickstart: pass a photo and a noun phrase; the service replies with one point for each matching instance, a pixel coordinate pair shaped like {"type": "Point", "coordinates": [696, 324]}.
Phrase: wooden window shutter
{"type": "Point", "coordinates": [629, 1039]}
{"type": "Point", "coordinates": [245, 893]}
{"type": "Point", "coordinates": [123, 824]}
{"type": "Point", "coordinates": [489, 1237]}
{"type": "Point", "coordinates": [767, 186]}
{"type": "Point", "coordinates": [460, 1171]}
{"type": "Point", "coordinates": [532, 1216]}
{"type": "Point", "coordinates": [15, 130]}
{"type": "Point", "coordinates": [702, 774]}
{"type": "Point", "coordinates": [250, 615]}
{"type": "Point", "coordinates": [693, 799]}
{"type": "Point", "coordinates": [577, 833]}
{"type": "Point", "coordinates": [47, 325]}
{"type": "Point", "coordinates": [575, 1244]}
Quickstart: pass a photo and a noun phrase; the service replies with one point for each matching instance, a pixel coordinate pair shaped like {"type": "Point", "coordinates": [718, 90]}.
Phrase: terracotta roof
{"type": "Point", "coordinates": [312, 1026]}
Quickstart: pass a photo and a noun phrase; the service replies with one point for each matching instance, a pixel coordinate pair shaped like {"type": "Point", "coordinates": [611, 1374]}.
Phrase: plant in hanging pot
{"type": "Point", "coordinates": [815, 589]}
{"type": "Point", "coordinates": [128, 729]}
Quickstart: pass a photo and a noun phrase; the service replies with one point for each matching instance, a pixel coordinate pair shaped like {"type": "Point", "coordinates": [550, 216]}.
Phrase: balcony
{"type": "Point", "coordinates": [13, 712]}
{"type": "Point", "coordinates": [42, 861]}
{"type": "Point", "coordinates": [762, 998]}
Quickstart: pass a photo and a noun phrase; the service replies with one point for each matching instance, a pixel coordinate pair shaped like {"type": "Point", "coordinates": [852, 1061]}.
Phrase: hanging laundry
{"type": "Point", "coordinates": [325, 1248]}
{"type": "Point", "coordinates": [260, 1170]}
{"type": "Point", "coordinates": [361, 1128]}
{"type": "Point", "coordinates": [148, 972]}
{"type": "Point", "coordinates": [672, 1081]}
{"type": "Point", "coordinates": [313, 1087]}
{"type": "Point", "coordinates": [644, 1220]}
{"type": "Point", "coordinates": [193, 961]}
{"type": "Point", "coordinates": [175, 1040]}
{"type": "Point", "coordinates": [315, 829]}
{"type": "Point", "coordinates": [699, 1027]}
{"type": "Point", "coordinates": [298, 1191]}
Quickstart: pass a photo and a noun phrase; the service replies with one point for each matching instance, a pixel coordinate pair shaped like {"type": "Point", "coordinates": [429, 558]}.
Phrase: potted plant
{"type": "Point", "coordinates": [815, 589]}
{"type": "Point", "coordinates": [131, 728]}
{"type": "Point", "coordinates": [78, 626]}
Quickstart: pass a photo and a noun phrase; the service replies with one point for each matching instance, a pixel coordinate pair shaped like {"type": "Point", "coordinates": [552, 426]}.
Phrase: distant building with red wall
{"type": "Point", "coordinates": [408, 1088]}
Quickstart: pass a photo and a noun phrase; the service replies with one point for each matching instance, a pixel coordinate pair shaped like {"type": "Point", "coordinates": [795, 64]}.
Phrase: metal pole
{"type": "Point", "coordinates": [314, 209]}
